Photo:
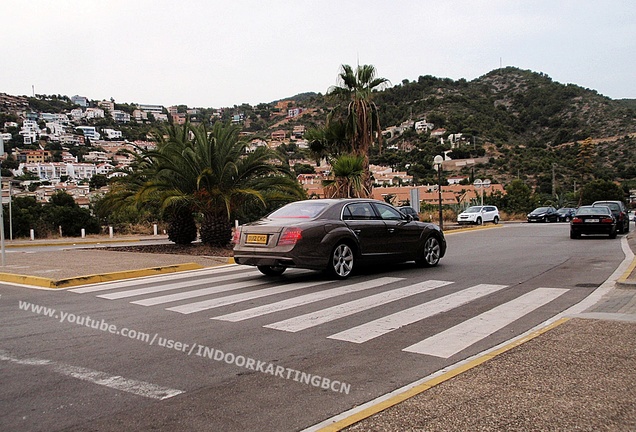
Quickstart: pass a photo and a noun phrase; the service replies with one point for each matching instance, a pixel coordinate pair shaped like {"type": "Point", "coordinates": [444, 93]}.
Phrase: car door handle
{"type": "Point", "coordinates": [391, 230]}
{"type": "Point", "coordinates": [357, 231]}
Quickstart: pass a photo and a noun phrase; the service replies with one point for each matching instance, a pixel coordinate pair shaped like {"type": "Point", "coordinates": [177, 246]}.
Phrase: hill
{"type": "Point", "coordinates": [523, 123]}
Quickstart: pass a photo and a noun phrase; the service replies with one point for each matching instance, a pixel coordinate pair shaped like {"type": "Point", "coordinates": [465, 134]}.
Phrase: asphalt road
{"type": "Point", "coordinates": [235, 356]}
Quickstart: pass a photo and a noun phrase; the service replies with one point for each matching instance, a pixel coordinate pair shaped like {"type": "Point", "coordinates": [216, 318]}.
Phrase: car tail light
{"type": "Point", "coordinates": [290, 236]}
{"type": "Point", "coordinates": [236, 237]}
{"type": "Point", "coordinates": [576, 220]}
{"type": "Point", "coordinates": [607, 220]}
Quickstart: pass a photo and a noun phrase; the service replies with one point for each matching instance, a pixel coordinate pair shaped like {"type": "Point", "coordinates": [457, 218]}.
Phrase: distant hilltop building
{"type": "Point", "coordinates": [79, 100]}
{"type": "Point", "coordinates": [154, 109]}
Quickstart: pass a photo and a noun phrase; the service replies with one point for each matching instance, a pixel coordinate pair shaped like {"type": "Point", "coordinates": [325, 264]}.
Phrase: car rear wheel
{"type": "Point", "coordinates": [613, 234]}
{"type": "Point", "coordinates": [431, 253]}
{"type": "Point", "coordinates": [574, 235]}
{"type": "Point", "coordinates": [271, 270]}
{"type": "Point", "coordinates": [341, 261]}
{"type": "Point", "coordinates": [496, 220]}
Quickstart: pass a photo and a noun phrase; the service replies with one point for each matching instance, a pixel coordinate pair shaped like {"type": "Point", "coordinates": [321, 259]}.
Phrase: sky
{"type": "Point", "coordinates": [224, 53]}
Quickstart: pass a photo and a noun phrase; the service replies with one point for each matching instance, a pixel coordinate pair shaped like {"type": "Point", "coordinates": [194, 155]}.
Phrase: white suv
{"type": "Point", "coordinates": [478, 215]}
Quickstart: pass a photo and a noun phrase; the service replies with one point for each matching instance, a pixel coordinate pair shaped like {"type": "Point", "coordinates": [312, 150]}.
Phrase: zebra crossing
{"type": "Point", "coordinates": [209, 289]}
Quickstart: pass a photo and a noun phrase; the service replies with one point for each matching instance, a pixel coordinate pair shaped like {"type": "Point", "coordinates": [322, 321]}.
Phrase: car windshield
{"type": "Point", "coordinates": [590, 210]}
{"type": "Point", "coordinates": [473, 209]}
{"type": "Point", "coordinates": [563, 210]}
{"type": "Point", "coordinates": [300, 209]}
{"type": "Point", "coordinates": [541, 210]}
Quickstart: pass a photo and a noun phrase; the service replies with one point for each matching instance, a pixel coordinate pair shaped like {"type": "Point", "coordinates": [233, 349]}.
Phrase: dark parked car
{"type": "Point", "coordinates": [594, 219]}
{"type": "Point", "coordinates": [565, 214]}
{"type": "Point", "coordinates": [620, 213]}
{"type": "Point", "coordinates": [333, 235]}
{"type": "Point", "coordinates": [543, 214]}
{"type": "Point", "coordinates": [408, 210]}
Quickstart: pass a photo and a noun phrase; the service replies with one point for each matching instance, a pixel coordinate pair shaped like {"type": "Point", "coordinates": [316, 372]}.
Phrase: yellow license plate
{"type": "Point", "coordinates": [256, 239]}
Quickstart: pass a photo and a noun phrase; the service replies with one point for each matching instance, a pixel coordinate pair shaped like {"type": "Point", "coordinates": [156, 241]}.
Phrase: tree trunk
{"type": "Point", "coordinates": [216, 229]}
{"type": "Point", "coordinates": [182, 229]}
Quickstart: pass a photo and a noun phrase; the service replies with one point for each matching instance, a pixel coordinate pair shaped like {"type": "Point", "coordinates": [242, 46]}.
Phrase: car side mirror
{"type": "Point", "coordinates": [409, 218]}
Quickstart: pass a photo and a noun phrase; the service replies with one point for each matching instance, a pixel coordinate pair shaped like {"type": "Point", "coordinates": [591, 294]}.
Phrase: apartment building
{"type": "Point", "coordinates": [89, 132]}
{"type": "Point", "coordinates": [120, 116]}
{"type": "Point", "coordinates": [112, 133]}
{"type": "Point", "coordinates": [107, 105]}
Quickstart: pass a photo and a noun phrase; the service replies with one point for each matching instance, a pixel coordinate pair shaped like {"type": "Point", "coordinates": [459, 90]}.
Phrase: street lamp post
{"type": "Point", "coordinates": [481, 185]}
{"type": "Point", "coordinates": [437, 163]}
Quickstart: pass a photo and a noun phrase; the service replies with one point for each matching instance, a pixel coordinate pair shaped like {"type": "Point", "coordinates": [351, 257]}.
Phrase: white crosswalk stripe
{"type": "Point", "coordinates": [223, 301]}
{"type": "Point", "coordinates": [305, 299]}
{"type": "Point", "coordinates": [378, 327]}
{"type": "Point", "coordinates": [249, 285]}
{"type": "Point", "coordinates": [162, 288]}
{"type": "Point", "coordinates": [322, 316]}
{"type": "Point", "coordinates": [105, 286]}
{"type": "Point", "coordinates": [461, 336]}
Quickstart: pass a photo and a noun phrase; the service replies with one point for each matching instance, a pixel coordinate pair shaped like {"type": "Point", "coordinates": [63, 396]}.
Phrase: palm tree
{"type": "Point", "coordinates": [361, 119]}
{"type": "Point", "coordinates": [347, 178]}
{"type": "Point", "coordinates": [210, 173]}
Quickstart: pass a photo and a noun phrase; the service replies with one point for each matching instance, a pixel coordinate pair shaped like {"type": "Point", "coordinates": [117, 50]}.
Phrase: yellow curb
{"type": "Point", "coordinates": [471, 228]}
{"type": "Point", "coordinates": [630, 269]}
{"type": "Point", "coordinates": [72, 243]}
{"type": "Point", "coordinates": [420, 388]}
{"type": "Point", "coordinates": [91, 279]}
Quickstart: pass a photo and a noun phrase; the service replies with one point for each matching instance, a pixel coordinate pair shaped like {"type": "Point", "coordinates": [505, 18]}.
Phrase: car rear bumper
{"type": "Point", "coordinates": [597, 229]}
{"type": "Point", "coordinates": [278, 261]}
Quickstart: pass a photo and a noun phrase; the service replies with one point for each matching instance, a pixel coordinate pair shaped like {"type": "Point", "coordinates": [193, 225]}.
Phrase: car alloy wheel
{"type": "Point", "coordinates": [341, 263]}
{"type": "Point", "coordinates": [271, 270]}
{"type": "Point", "coordinates": [431, 253]}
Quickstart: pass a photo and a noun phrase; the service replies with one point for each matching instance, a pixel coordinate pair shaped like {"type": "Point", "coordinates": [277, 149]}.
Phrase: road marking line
{"type": "Point", "coordinates": [139, 388]}
{"type": "Point", "coordinates": [153, 279]}
{"type": "Point", "coordinates": [305, 299]}
{"type": "Point", "coordinates": [161, 288]}
{"type": "Point", "coordinates": [199, 293]}
{"type": "Point", "coordinates": [322, 316]}
{"type": "Point", "coordinates": [236, 298]}
{"type": "Point", "coordinates": [380, 326]}
{"type": "Point", "coordinates": [461, 336]}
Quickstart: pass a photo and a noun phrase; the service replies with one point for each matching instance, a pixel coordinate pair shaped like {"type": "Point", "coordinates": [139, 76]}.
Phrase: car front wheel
{"type": "Point", "coordinates": [271, 270]}
{"type": "Point", "coordinates": [341, 261]}
{"type": "Point", "coordinates": [431, 253]}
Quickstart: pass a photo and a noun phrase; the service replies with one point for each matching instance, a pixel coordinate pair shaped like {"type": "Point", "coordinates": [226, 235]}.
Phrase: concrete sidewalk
{"type": "Point", "coordinates": [76, 266]}
{"type": "Point", "coordinates": [577, 374]}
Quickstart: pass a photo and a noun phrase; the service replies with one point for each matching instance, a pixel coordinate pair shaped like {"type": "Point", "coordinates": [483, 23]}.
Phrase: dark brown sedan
{"type": "Point", "coordinates": [333, 235]}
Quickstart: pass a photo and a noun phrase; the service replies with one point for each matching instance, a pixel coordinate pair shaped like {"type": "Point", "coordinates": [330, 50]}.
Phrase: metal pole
{"type": "Point", "coordinates": [2, 226]}
{"type": "Point", "coordinates": [439, 195]}
{"type": "Point", "coordinates": [10, 212]}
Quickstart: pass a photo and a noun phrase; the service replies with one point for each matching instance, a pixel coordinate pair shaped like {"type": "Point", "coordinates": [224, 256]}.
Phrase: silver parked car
{"type": "Point", "coordinates": [333, 235]}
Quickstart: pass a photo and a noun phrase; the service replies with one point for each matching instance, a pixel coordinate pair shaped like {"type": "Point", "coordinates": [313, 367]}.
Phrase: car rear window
{"type": "Point", "coordinates": [302, 210]}
{"type": "Point", "coordinates": [595, 210]}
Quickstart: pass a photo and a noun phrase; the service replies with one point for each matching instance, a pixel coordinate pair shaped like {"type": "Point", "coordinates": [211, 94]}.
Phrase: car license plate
{"type": "Point", "coordinates": [592, 220]}
{"type": "Point", "coordinates": [256, 239]}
